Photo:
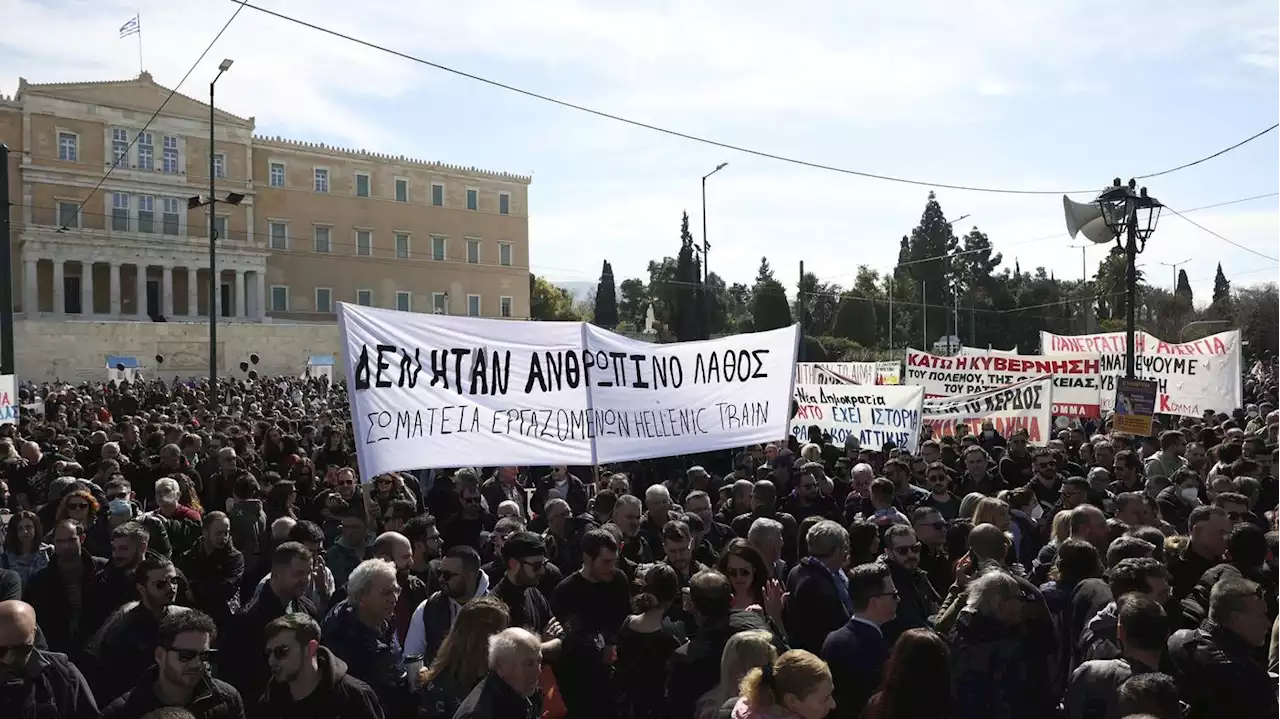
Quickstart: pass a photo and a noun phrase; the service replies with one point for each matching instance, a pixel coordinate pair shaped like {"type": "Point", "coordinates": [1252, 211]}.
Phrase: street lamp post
{"type": "Point", "coordinates": [706, 249]}
{"type": "Point", "coordinates": [1174, 292]}
{"type": "Point", "coordinates": [214, 285]}
{"type": "Point", "coordinates": [1120, 206]}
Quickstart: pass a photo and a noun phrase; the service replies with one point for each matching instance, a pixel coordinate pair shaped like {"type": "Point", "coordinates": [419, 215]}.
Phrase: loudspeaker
{"type": "Point", "coordinates": [1086, 218]}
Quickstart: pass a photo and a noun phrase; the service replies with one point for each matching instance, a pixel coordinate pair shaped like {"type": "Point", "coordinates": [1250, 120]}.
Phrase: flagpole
{"type": "Point", "coordinates": [141, 68]}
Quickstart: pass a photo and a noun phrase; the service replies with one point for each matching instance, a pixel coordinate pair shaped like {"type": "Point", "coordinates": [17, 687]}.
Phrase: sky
{"type": "Point", "coordinates": [990, 93]}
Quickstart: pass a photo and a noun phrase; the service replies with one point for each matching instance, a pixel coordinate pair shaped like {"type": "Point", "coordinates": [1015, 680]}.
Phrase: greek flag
{"type": "Point", "coordinates": [133, 27]}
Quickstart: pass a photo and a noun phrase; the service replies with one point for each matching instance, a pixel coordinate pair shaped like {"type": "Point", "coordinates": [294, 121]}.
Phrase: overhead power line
{"type": "Point", "coordinates": [156, 114]}
{"type": "Point", "coordinates": [1220, 237]}
{"type": "Point", "coordinates": [705, 140]}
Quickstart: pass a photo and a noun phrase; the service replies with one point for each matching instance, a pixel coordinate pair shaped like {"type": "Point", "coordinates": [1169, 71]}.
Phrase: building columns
{"type": "Point", "coordinates": [166, 290]}
{"type": "Point", "coordinates": [86, 288]}
{"type": "Point", "coordinates": [30, 288]}
{"type": "Point", "coordinates": [239, 299]}
{"type": "Point", "coordinates": [260, 282]}
{"type": "Point", "coordinates": [140, 288]}
{"type": "Point", "coordinates": [193, 294]}
{"type": "Point", "coordinates": [59, 288]}
{"type": "Point", "coordinates": [115, 289]}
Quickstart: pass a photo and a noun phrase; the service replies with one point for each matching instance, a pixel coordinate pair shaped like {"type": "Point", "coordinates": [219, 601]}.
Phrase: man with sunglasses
{"type": "Point", "coordinates": [180, 676]}
{"type": "Point", "coordinates": [32, 679]}
{"type": "Point", "coordinates": [308, 680]}
{"type": "Point", "coordinates": [917, 599]}
{"type": "Point", "coordinates": [525, 556]}
{"type": "Point", "coordinates": [931, 531]}
{"type": "Point", "coordinates": [460, 581]}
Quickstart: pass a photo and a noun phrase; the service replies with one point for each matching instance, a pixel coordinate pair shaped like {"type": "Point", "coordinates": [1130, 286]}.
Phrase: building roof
{"type": "Point", "coordinates": [142, 94]}
{"type": "Point", "coordinates": [321, 148]}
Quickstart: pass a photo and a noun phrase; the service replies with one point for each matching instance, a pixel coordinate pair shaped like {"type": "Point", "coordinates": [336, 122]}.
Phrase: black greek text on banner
{"type": "Point", "coordinates": [872, 414]}
{"type": "Point", "coordinates": [1077, 377]}
{"type": "Point", "coordinates": [431, 391]}
{"type": "Point", "coordinates": [1192, 376]}
{"type": "Point", "coordinates": [1022, 406]}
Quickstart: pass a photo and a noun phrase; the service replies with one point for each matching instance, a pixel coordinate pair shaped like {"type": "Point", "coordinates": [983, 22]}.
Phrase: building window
{"type": "Point", "coordinates": [276, 174]}
{"type": "Point", "coordinates": [504, 203]}
{"type": "Point", "coordinates": [170, 217]}
{"type": "Point", "coordinates": [473, 252]}
{"type": "Point", "coordinates": [364, 298]}
{"type": "Point", "coordinates": [362, 184]}
{"type": "Point", "coordinates": [402, 190]}
{"type": "Point", "coordinates": [437, 248]}
{"type": "Point", "coordinates": [68, 214]}
{"type": "Point", "coordinates": [119, 212]}
{"type": "Point", "coordinates": [504, 304]}
{"type": "Point", "coordinates": [473, 305]}
{"type": "Point", "coordinates": [404, 301]}
{"type": "Point", "coordinates": [170, 158]}
{"type": "Point", "coordinates": [220, 227]}
{"type": "Point", "coordinates": [473, 198]}
{"type": "Point", "coordinates": [504, 254]}
{"type": "Point", "coordinates": [219, 165]}
{"type": "Point", "coordinates": [279, 235]}
{"type": "Point", "coordinates": [402, 246]}
{"type": "Point", "coordinates": [322, 240]}
{"type": "Point", "coordinates": [146, 213]}
{"type": "Point", "coordinates": [279, 298]}
{"type": "Point", "coordinates": [146, 151]}
{"type": "Point", "coordinates": [120, 146]}
{"type": "Point", "coordinates": [440, 303]}
{"type": "Point", "coordinates": [437, 194]}
{"type": "Point", "coordinates": [68, 144]}
{"type": "Point", "coordinates": [322, 180]}
{"type": "Point", "coordinates": [324, 300]}
{"type": "Point", "coordinates": [364, 243]}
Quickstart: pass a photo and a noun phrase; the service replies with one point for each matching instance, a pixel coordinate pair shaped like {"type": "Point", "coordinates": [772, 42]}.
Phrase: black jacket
{"type": "Point", "coordinates": [989, 671]}
{"type": "Point", "coordinates": [241, 662]}
{"type": "Point", "coordinates": [338, 696]}
{"type": "Point", "coordinates": [48, 593]}
{"type": "Point", "coordinates": [50, 687]}
{"type": "Point", "coordinates": [212, 699]}
{"type": "Point", "coordinates": [1092, 689]}
{"type": "Point", "coordinates": [1221, 677]}
{"type": "Point", "coordinates": [856, 654]}
{"type": "Point", "coordinates": [695, 667]}
{"type": "Point", "coordinates": [214, 580]}
{"type": "Point", "coordinates": [577, 492]}
{"type": "Point", "coordinates": [814, 609]}
{"type": "Point", "coordinates": [493, 698]}
{"type": "Point", "coordinates": [373, 656]}
{"type": "Point", "coordinates": [917, 601]}
{"type": "Point", "coordinates": [123, 649]}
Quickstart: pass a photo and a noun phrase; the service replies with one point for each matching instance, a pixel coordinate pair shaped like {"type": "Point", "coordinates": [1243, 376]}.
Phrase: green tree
{"type": "Point", "coordinates": [1184, 288]}
{"type": "Point", "coordinates": [1221, 305]}
{"type": "Point", "coordinates": [549, 302]}
{"type": "Point", "coordinates": [633, 302]}
{"type": "Point", "coordinates": [856, 319]}
{"type": "Point", "coordinates": [687, 312]}
{"type": "Point", "coordinates": [926, 250]}
{"type": "Point", "coordinates": [719, 300]}
{"type": "Point", "coordinates": [606, 305]}
{"type": "Point", "coordinates": [769, 307]}
{"type": "Point", "coordinates": [1258, 309]}
{"type": "Point", "coordinates": [738, 308]}
{"type": "Point", "coordinates": [821, 301]}
{"type": "Point", "coordinates": [662, 289]}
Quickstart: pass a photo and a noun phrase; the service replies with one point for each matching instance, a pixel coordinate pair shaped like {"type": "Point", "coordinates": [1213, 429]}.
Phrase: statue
{"type": "Point", "coordinates": [649, 321]}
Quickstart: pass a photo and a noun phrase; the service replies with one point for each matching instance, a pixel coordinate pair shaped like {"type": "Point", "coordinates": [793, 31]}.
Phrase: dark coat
{"type": "Point", "coordinates": [214, 580]}
{"type": "Point", "coordinates": [241, 662]}
{"type": "Point", "coordinates": [917, 601]}
{"type": "Point", "coordinates": [813, 610]}
{"type": "Point", "coordinates": [493, 698]}
{"type": "Point", "coordinates": [1092, 689]}
{"type": "Point", "coordinates": [1221, 677]}
{"type": "Point", "coordinates": [123, 649]}
{"type": "Point", "coordinates": [212, 699]}
{"type": "Point", "coordinates": [695, 667]}
{"type": "Point", "coordinates": [372, 656]}
{"type": "Point", "coordinates": [48, 593]}
{"type": "Point", "coordinates": [577, 492]}
{"type": "Point", "coordinates": [856, 654]}
{"type": "Point", "coordinates": [989, 670]}
{"type": "Point", "coordinates": [51, 688]}
{"type": "Point", "coordinates": [338, 696]}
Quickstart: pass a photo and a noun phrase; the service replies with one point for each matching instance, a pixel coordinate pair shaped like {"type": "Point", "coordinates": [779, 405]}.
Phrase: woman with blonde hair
{"type": "Point", "coordinates": [990, 510]}
{"type": "Point", "coordinates": [796, 685]}
{"type": "Point", "coordinates": [743, 652]}
{"type": "Point", "coordinates": [463, 659]}
{"type": "Point", "coordinates": [968, 504]}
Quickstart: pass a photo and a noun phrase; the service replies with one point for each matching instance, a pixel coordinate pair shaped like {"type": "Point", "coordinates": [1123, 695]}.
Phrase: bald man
{"type": "Point", "coordinates": [32, 678]}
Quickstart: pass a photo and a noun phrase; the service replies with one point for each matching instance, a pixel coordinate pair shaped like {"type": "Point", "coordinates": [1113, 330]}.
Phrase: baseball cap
{"type": "Point", "coordinates": [523, 545]}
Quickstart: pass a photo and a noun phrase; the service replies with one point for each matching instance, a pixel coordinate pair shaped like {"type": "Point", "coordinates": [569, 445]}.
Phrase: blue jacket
{"type": "Point", "coordinates": [856, 654]}
{"type": "Point", "coordinates": [373, 656]}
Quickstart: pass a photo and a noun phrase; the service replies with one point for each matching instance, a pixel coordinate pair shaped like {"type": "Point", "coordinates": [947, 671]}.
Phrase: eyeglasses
{"type": "Point", "coordinates": [1040, 465]}
{"type": "Point", "coordinates": [186, 656]}
{"type": "Point", "coordinates": [738, 572]}
{"type": "Point", "coordinates": [21, 650]}
{"type": "Point", "coordinates": [908, 549]}
{"type": "Point", "coordinates": [77, 506]}
{"type": "Point", "coordinates": [938, 525]}
{"type": "Point", "coordinates": [277, 652]}
{"type": "Point", "coordinates": [894, 594]}
{"type": "Point", "coordinates": [536, 566]}
{"type": "Point", "coordinates": [117, 495]}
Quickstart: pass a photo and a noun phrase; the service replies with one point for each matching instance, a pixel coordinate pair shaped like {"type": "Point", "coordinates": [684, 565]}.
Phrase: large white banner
{"type": "Point", "coordinates": [847, 372]}
{"type": "Point", "coordinates": [1077, 378]}
{"type": "Point", "coordinates": [1025, 405]}
{"type": "Point", "coordinates": [873, 414]}
{"type": "Point", "coordinates": [1193, 376]}
{"type": "Point", "coordinates": [431, 391]}
{"type": "Point", "coordinates": [969, 351]}
{"type": "Point", "coordinates": [8, 399]}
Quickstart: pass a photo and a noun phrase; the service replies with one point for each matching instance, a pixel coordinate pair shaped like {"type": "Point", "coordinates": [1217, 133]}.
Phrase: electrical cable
{"type": "Point", "coordinates": [704, 140]}
{"type": "Point", "coordinates": [1220, 237]}
{"type": "Point", "coordinates": [156, 114]}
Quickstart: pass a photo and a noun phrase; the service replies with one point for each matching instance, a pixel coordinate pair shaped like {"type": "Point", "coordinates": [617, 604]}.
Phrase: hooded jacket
{"type": "Point", "coordinates": [338, 696]}
{"type": "Point", "coordinates": [212, 699]}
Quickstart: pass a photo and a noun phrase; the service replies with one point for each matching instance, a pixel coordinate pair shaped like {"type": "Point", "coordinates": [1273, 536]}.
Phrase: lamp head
{"type": "Point", "coordinates": [225, 65]}
{"type": "Point", "coordinates": [721, 166]}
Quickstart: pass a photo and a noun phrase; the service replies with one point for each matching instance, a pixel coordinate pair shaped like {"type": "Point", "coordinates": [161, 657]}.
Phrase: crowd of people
{"type": "Point", "coordinates": [174, 551]}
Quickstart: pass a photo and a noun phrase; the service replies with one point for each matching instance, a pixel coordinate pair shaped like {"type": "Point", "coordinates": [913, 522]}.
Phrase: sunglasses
{"type": "Point", "coordinates": [735, 572]}
{"type": "Point", "coordinates": [939, 525]}
{"type": "Point", "coordinates": [908, 549]}
{"type": "Point", "coordinates": [21, 650]}
{"type": "Point", "coordinates": [77, 506]}
{"type": "Point", "coordinates": [1046, 466]}
{"type": "Point", "coordinates": [117, 495]}
{"type": "Point", "coordinates": [471, 500]}
{"type": "Point", "coordinates": [278, 652]}
{"type": "Point", "coordinates": [186, 656]}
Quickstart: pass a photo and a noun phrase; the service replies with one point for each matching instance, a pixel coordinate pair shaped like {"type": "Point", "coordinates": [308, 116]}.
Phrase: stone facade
{"type": "Point", "coordinates": [76, 351]}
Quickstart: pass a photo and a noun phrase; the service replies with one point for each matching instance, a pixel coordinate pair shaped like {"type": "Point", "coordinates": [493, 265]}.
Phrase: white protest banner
{"type": "Point", "coordinates": [1025, 405]}
{"type": "Point", "coordinates": [1193, 376]}
{"type": "Point", "coordinates": [430, 391]}
{"type": "Point", "coordinates": [1077, 378]}
{"type": "Point", "coordinates": [970, 351]}
{"type": "Point", "coordinates": [847, 373]}
{"type": "Point", "coordinates": [874, 415]}
{"type": "Point", "coordinates": [8, 399]}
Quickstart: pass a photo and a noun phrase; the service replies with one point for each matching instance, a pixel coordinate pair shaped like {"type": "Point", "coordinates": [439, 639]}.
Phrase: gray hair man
{"type": "Point", "coordinates": [819, 602]}
{"type": "Point", "coordinates": [511, 687]}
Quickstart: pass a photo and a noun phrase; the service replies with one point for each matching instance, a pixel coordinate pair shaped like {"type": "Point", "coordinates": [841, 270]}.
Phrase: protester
{"type": "Point", "coordinates": [35, 683]}
{"type": "Point", "coordinates": [307, 679]}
